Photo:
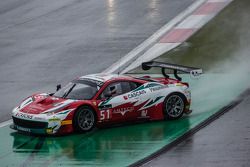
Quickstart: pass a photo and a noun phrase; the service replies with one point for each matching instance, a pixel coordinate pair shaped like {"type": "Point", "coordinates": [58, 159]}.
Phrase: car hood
{"type": "Point", "coordinates": [44, 103]}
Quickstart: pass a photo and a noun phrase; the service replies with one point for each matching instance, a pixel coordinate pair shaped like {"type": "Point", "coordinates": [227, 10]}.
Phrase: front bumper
{"type": "Point", "coordinates": [36, 127]}
{"type": "Point", "coordinates": [31, 130]}
{"type": "Point", "coordinates": [40, 123]}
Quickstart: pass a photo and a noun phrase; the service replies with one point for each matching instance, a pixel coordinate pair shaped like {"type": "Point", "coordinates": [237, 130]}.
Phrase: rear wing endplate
{"type": "Point", "coordinates": [193, 71]}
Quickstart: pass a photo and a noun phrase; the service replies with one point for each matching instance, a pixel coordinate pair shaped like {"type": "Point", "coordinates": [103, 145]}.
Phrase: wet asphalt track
{"type": "Point", "coordinates": [36, 74]}
{"type": "Point", "coordinates": [46, 42]}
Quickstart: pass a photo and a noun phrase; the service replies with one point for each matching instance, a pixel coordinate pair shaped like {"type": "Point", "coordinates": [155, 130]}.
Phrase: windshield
{"type": "Point", "coordinates": [79, 90]}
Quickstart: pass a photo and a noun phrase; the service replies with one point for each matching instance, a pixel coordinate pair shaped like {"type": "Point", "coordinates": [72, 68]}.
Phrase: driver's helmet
{"type": "Point", "coordinates": [113, 89]}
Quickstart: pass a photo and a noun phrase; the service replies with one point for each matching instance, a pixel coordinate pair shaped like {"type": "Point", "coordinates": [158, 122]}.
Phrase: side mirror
{"type": "Point", "coordinates": [58, 87]}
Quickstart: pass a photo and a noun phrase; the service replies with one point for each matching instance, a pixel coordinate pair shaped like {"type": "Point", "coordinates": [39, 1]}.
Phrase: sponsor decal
{"type": "Point", "coordinates": [105, 115]}
{"type": "Point", "coordinates": [125, 97]}
{"type": "Point", "coordinates": [54, 119]}
{"type": "Point", "coordinates": [152, 89]}
{"type": "Point", "coordinates": [144, 113]}
{"type": "Point", "coordinates": [22, 115]}
{"type": "Point", "coordinates": [49, 131]}
{"type": "Point", "coordinates": [153, 101]}
{"type": "Point", "coordinates": [148, 85]}
{"type": "Point", "coordinates": [38, 118]}
{"type": "Point", "coordinates": [123, 111]}
{"type": "Point", "coordinates": [66, 122]}
{"type": "Point", "coordinates": [137, 93]}
{"type": "Point", "coordinates": [23, 129]}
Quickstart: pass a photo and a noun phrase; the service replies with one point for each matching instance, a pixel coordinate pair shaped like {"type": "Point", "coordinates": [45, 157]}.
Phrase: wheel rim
{"type": "Point", "coordinates": [174, 106]}
{"type": "Point", "coordinates": [86, 119]}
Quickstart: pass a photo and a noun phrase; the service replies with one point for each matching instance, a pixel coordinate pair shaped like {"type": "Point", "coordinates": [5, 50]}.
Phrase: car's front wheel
{"type": "Point", "coordinates": [174, 106]}
{"type": "Point", "coordinates": [84, 119]}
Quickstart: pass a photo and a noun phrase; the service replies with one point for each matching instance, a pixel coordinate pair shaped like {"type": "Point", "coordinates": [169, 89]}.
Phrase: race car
{"type": "Point", "coordinates": [101, 100]}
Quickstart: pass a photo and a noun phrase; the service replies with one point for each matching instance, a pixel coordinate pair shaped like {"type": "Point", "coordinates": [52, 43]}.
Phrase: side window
{"type": "Point", "coordinates": [125, 87]}
{"type": "Point", "coordinates": [134, 85]}
{"type": "Point", "coordinates": [129, 86]}
{"type": "Point", "coordinates": [112, 90]}
{"type": "Point", "coordinates": [118, 88]}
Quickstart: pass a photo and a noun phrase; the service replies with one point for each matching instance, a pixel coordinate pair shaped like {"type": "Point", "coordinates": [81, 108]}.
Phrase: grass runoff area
{"type": "Point", "coordinates": [225, 38]}
{"type": "Point", "coordinates": [220, 48]}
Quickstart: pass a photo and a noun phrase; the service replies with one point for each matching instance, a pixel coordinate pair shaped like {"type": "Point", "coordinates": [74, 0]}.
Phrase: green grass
{"type": "Point", "coordinates": [219, 40]}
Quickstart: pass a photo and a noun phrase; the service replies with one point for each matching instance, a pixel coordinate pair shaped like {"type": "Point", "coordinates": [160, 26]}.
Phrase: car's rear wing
{"type": "Point", "coordinates": [193, 71]}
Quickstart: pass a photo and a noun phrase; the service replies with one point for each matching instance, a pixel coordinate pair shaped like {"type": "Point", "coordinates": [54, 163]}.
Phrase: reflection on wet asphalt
{"type": "Point", "coordinates": [119, 146]}
{"type": "Point", "coordinates": [225, 142]}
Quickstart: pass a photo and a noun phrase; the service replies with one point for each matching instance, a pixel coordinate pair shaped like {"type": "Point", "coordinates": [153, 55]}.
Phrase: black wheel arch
{"type": "Point", "coordinates": [76, 110]}
{"type": "Point", "coordinates": [179, 93]}
{"type": "Point", "coordinates": [174, 93]}
{"type": "Point", "coordinates": [86, 105]}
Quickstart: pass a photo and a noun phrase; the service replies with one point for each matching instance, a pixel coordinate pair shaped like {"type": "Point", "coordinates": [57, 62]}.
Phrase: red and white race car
{"type": "Point", "coordinates": [104, 99]}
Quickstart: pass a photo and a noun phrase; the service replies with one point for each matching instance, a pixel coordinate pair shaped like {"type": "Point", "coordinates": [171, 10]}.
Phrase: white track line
{"type": "Point", "coordinates": [139, 50]}
{"type": "Point", "coordinates": [152, 53]}
{"type": "Point", "coordinates": [194, 21]}
{"type": "Point", "coordinates": [180, 33]}
{"type": "Point", "coordinates": [5, 123]}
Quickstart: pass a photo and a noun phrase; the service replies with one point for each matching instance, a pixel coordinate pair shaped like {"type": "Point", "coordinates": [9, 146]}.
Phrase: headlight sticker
{"type": "Point", "coordinates": [26, 102]}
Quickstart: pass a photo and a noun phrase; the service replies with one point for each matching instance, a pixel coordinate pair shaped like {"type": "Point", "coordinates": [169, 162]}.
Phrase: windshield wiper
{"type": "Point", "coordinates": [68, 92]}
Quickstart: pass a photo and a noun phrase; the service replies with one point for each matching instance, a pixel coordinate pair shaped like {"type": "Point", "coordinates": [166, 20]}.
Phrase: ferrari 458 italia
{"type": "Point", "coordinates": [100, 100]}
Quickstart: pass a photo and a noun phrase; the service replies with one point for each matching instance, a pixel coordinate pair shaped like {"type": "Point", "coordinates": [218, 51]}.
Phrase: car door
{"type": "Point", "coordinates": [145, 101]}
{"type": "Point", "coordinates": [114, 102]}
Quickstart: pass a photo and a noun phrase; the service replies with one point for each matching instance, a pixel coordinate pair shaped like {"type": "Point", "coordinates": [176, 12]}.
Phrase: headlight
{"type": "Point", "coordinates": [26, 102]}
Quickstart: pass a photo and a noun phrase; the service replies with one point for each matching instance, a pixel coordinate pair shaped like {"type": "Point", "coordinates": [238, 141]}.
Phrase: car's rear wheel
{"type": "Point", "coordinates": [174, 106]}
{"type": "Point", "coordinates": [84, 119]}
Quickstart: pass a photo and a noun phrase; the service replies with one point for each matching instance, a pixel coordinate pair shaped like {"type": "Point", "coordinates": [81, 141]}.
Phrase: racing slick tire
{"type": "Point", "coordinates": [174, 106]}
{"type": "Point", "coordinates": [84, 119]}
